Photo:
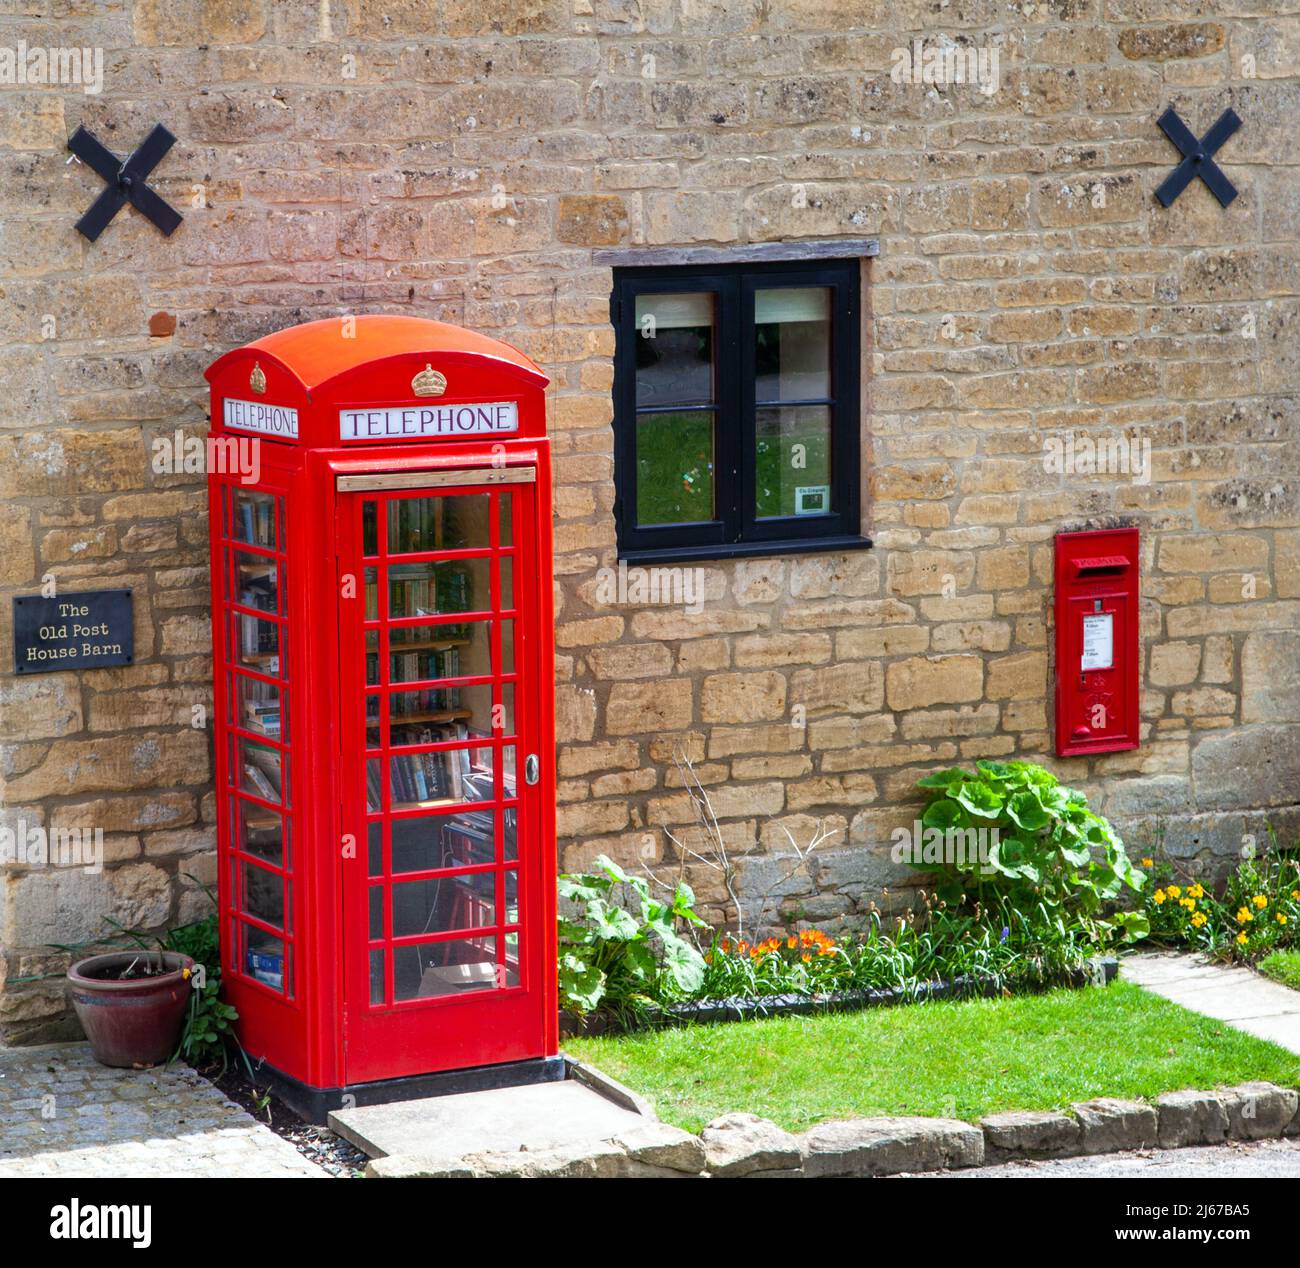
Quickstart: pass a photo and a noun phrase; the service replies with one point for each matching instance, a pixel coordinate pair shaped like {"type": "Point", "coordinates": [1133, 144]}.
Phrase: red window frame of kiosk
{"type": "Point", "coordinates": [236, 798]}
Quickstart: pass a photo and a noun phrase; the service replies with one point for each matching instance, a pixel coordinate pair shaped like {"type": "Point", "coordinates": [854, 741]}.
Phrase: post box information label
{"type": "Point", "coordinates": [420, 422]}
{"type": "Point", "coordinates": [258, 416]}
{"type": "Point", "coordinates": [90, 630]}
{"type": "Point", "coordinates": [1098, 641]}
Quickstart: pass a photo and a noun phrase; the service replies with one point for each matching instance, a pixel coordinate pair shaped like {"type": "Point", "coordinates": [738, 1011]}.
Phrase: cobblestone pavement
{"type": "Point", "coordinates": [1256, 1159]}
{"type": "Point", "coordinates": [64, 1114]}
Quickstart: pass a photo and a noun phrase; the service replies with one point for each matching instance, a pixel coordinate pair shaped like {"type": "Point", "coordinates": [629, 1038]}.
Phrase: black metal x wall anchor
{"type": "Point", "coordinates": [1198, 157]}
{"type": "Point", "coordinates": [125, 181]}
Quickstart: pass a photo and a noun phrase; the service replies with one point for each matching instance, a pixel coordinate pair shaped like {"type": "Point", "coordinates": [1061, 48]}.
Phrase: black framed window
{"type": "Point", "coordinates": [736, 409]}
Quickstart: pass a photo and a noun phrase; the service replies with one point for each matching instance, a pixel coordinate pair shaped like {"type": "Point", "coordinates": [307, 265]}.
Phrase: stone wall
{"type": "Point", "coordinates": [463, 160]}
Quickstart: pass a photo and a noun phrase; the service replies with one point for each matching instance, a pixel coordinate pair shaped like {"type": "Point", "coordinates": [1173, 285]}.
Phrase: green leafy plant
{"type": "Point", "coordinates": [620, 947]}
{"type": "Point", "coordinates": [1049, 850]}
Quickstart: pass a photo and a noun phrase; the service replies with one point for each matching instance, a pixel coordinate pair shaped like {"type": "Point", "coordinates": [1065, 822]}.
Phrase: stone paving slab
{"type": "Point", "coordinates": [63, 1114]}
{"type": "Point", "coordinates": [1238, 996]}
{"type": "Point", "coordinates": [537, 1117]}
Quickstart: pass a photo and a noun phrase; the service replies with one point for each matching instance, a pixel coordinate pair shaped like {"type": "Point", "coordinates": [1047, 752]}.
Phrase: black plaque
{"type": "Point", "coordinates": [91, 630]}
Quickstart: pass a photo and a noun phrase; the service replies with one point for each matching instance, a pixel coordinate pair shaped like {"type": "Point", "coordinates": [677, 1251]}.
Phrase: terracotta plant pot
{"type": "Point", "coordinates": [135, 1021]}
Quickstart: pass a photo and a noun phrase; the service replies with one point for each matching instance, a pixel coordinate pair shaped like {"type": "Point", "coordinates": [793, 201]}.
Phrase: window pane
{"type": "Point", "coordinates": [674, 467]}
{"type": "Point", "coordinates": [253, 518]}
{"type": "Point", "coordinates": [437, 587]}
{"type": "Point", "coordinates": [257, 708]}
{"type": "Point", "coordinates": [675, 349]}
{"type": "Point", "coordinates": [254, 580]}
{"type": "Point", "coordinates": [792, 342]}
{"type": "Point", "coordinates": [466, 901]}
{"type": "Point", "coordinates": [792, 472]}
{"type": "Point", "coordinates": [263, 957]}
{"type": "Point", "coordinates": [263, 894]}
{"type": "Point", "coordinates": [447, 968]}
{"type": "Point", "coordinates": [453, 522]}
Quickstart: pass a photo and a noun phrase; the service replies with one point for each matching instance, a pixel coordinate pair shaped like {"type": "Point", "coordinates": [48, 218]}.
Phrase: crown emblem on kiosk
{"type": "Point", "coordinates": [429, 382]}
{"type": "Point", "coordinates": [257, 380]}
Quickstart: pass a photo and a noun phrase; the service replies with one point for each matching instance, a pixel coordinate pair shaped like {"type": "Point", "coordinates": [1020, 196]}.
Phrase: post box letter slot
{"type": "Point", "coordinates": [1106, 566]}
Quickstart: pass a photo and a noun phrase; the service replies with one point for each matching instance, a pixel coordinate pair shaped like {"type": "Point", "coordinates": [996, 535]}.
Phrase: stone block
{"type": "Point", "coordinates": [1190, 1118]}
{"type": "Point", "coordinates": [888, 1146]}
{"type": "Point", "coordinates": [1031, 1134]}
{"type": "Point", "coordinates": [1108, 1125]}
{"type": "Point", "coordinates": [746, 1145]}
{"type": "Point", "coordinates": [1259, 1111]}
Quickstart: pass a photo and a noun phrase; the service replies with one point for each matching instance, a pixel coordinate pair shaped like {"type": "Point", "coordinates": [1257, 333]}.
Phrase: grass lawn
{"type": "Point", "coordinates": [1282, 966]}
{"type": "Point", "coordinates": [959, 1059]}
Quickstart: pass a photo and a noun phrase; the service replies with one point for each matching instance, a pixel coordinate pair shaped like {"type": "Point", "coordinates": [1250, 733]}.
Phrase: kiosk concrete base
{"type": "Point", "coordinates": [539, 1116]}
{"type": "Point", "coordinates": [314, 1104]}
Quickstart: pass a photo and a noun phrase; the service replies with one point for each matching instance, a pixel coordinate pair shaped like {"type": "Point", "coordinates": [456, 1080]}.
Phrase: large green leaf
{"type": "Point", "coordinates": [980, 799]}
{"type": "Point", "coordinates": [611, 921]}
{"type": "Point", "coordinates": [944, 813]}
{"type": "Point", "coordinates": [1027, 811]}
{"type": "Point", "coordinates": [944, 779]}
{"type": "Point", "coordinates": [581, 984]}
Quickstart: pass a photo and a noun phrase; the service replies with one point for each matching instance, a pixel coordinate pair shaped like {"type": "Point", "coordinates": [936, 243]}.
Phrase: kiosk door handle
{"type": "Point", "coordinates": [532, 768]}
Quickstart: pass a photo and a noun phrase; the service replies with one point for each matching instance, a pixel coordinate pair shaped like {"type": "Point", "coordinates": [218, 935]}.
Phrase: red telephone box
{"type": "Point", "coordinates": [382, 639]}
{"type": "Point", "coordinates": [1098, 658]}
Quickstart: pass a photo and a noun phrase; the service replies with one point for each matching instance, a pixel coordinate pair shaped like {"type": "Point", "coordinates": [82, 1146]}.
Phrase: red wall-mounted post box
{"type": "Point", "coordinates": [1098, 661]}
{"type": "Point", "coordinates": [383, 648]}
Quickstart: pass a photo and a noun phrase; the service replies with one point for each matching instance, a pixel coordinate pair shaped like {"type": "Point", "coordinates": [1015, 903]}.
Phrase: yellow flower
{"type": "Point", "coordinates": [1196, 891]}
{"type": "Point", "coordinates": [1260, 901]}
{"type": "Point", "coordinates": [1242, 939]}
{"type": "Point", "coordinates": [1295, 893]}
{"type": "Point", "coordinates": [1174, 891]}
{"type": "Point", "coordinates": [1189, 903]}
{"type": "Point", "coordinates": [1158, 897]}
{"type": "Point", "coordinates": [1281, 919]}
{"type": "Point", "coordinates": [1148, 862]}
{"type": "Point", "coordinates": [1199, 919]}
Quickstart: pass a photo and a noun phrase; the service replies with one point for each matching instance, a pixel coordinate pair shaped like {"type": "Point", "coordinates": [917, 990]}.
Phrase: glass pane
{"type": "Point", "coordinates": [260, 769]}
{"type": "Point", "coordinates": [449, 776]}
{"type": "Point", "coordinates": [512, 897]}
{"type": "Point", "coordinates": [675, 349]}
{"type": "Point", "coordinates": [418, 717]}
{"type": "Point", "coordinates": [674, 467]}
{"type": "Point", "coordinates": [792, 471]}
{"type": "Point", "coordinates": [257, 707]}
{"type": "Point", "coordinates": [376, 898]}
{"type": "Point", "coordinates": [431, 842]}
{"type": "Point", "coordinates": [263, 895]}
{"type": "Point", "coordinates": [254, 578]}
{"type": "Point", "coordinates": [455, 522]}
{"type": "Point", "coordinates": [508, 975]}
{"type": "Point", "coordinates": [507, 647]}
{"type": "Point", "coordinates": [507, 582]}
{"type": "Point", "coordinates": [260, 832]}
{"type": "Point", "coordinates": [263, 957]}
{"type": "Point", "coordinates": [375, 849]}
{"type": "Point", "coordinates": [438, 587]}
{"type": "Point", "coordinates": [371, 580]}
{"type": "Point", "coordinates": [373, 785]}
{"type": "Point", "coordinates": [505, 522]}
{"type": "Point", "coordinates": [445, 968]}
{"type": "Point", "coordinates": [369, 531]}
{"type": "Point", "coordinates": [258, 643]}
{"type": "Point", "coordinates": [792, 344]}
{"type": "Point", "coordinates": [439, 905]}
{"type": "Point", "coordinates": [377, 977]}
{"type": "Point", "coordinates": [498, 719]}
{"type": "Point", "coordinates": [253, 518]}
{"type": "Point", "coordinates": [417, 654]}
